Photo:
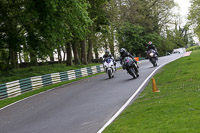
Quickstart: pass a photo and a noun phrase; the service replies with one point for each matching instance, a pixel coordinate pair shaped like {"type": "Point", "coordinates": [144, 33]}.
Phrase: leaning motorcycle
{"type": "Point", "coordinates": [131, 67]}
{"type": "Point", "coordinates": [153, 58]}
{"type": "Point", "coordinates": [109, 67]}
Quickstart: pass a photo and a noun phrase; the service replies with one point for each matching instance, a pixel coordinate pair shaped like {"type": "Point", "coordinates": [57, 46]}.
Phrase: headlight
{"type": "Point", "coordinates": [151, 54]}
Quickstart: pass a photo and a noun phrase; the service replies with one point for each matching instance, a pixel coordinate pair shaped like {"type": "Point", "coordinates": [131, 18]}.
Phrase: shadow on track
{"type": "Point", "coordinates": [131, 79]}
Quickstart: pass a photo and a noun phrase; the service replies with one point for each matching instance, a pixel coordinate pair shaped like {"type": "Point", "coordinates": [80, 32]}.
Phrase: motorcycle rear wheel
{"type": "Point", "coordinates": [132, 73]}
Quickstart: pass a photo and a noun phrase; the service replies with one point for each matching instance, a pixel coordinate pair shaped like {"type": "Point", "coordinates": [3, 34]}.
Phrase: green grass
{"type": "Point", "coordinates": [8, 101]}
{"type": "Point", "coordinates": [175, 109]}
{"type": "Point", "coordinates": [22, 73]}
{"type": "Point", "coordinates": [193, 48]}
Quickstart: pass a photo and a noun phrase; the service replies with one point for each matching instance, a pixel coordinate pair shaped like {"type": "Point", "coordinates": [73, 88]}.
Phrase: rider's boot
{"type": "Point", "coordinates": [115, 66]}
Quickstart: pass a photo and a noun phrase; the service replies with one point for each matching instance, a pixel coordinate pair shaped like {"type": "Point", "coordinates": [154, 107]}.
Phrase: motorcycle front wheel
{"type": "Point", "coordinates": [109, 74]}
{"type": "Point", "coordinates": [153, 60]}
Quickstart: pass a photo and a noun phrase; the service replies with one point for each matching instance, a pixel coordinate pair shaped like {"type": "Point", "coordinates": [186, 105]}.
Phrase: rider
{"type": "Point", "coordinates": [123, 54]}
{"type": "Point", "coordinates": [109, 55]}
{"type": "Point", "coordinates": [151, 46]}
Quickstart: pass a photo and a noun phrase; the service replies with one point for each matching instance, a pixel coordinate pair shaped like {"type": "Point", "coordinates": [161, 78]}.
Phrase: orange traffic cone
{"type": "Point", "coordinates": [154, 86]}
{"type": "Point", "coordinates": [136, 58]}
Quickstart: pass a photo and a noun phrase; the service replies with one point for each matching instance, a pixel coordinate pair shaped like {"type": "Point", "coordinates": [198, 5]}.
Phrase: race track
{"type": "Point", "coordinates": [80, 107]}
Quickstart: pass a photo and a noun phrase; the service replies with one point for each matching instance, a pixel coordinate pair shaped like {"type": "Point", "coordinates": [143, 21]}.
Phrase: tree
{"type": "Point", "coordinates": [134, 38]}
{"type": "Point", "coordinates": [98, 15]}
{"type": "Point", "coordinates": [69, 54]}
{"type": "Point", "coordinates": [175, 38]}
{"type": "Point", "coordinates": [194, 16]}
{"type": "Point", "coordinates": [40, 26]}
{"type": "Point", "coordinates": [75, 52]}
{"type": "Point", "coordinates": [83, 52]}
{"type": "Point", "coordinates": [142, 21]}
{"type": "Point", "coordinates": [11, 34]}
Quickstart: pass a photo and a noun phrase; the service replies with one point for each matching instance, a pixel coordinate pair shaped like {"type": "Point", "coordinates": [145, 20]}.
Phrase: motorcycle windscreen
{"type": "Point", "coordinates": [108, 60]}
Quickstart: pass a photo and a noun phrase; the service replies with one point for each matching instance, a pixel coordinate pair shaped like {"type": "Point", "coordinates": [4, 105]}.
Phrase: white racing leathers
{"type": "Point", "coordinates": [109, 67]}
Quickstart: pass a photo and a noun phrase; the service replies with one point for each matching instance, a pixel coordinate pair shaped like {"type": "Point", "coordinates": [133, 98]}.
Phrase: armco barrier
{"type": "Point", "coordinates": [141, 58]}
{"type": "Point", "coordinates": [18, 87]}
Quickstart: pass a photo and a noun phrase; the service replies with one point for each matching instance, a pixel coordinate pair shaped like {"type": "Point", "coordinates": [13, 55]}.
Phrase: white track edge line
{"type": "Point", "coordinates": [131, 98]}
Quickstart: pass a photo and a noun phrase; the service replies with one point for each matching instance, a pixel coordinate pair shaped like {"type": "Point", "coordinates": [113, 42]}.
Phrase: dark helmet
{"type": "Point", "coordinates": [150, 43]}
{"type": "Point", "coordinates": [122, 51]}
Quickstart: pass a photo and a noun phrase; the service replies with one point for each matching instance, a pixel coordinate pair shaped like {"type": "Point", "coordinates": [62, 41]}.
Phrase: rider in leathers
{"type": "Point", "coordinates": [109, 55]}
{"type": "Point", "coordinates": [151, 46]}
{"type": "Point", "coordinates": [123, 54]}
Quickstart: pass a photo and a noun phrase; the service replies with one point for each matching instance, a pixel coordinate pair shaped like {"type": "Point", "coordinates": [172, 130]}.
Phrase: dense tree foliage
{"type": "Point", "coordinates": [194, 16]}
{"type": "Point", "coordinates": [150, 20]}
{"type": "Point", "coordinates": [39, 26]}
{"type": "Point", "coordinates": [77, 30]}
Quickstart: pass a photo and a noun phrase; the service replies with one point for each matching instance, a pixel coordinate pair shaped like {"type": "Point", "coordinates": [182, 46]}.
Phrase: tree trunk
{"type": "Point", "coordinates": [13, 58]}
{"type": "Point", "coordinates": [26, 58]}
{"type": "Point", "coordinates": [105, 44]}
{"type": "Point", "coordinates": [20, 59]}
{"type": "Point", "coordinates": [63, 49]}
{"type": "Point", "coordinates": [90, 47]}
{"type": "Point", "coordinates": [69, 55]}
{"type": "Point", "coordinates": [96, 53]}
{"type": "Point", "coordinates": [59, 55]}
{"type": "Point", "coordinates": [75, 51]}
{"type": "Point", "coordinates": [79, 50]}
{"type": "Point", "coordinates": [33, 58]}
{"type": "Point", "coordinates": [64, 56]}
{"type": "Point", "coordinates": [112, 47]}
{"type": "Point", "coordinates": [83, 52]}
{"type": "Point", "coordinates": [32, 46]}
{"type": "Point", "coordinates": [52, 57]}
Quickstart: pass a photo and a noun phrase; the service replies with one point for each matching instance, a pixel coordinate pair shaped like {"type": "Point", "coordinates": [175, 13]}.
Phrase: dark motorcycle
{"type": "Point", "coordinates": [153, 58]}
{"type": "Point", "coordinates": [131, 67]}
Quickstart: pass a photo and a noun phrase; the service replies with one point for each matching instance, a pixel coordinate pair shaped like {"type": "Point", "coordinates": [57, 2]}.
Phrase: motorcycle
{"type": "Point", "coordinates": [109, 67]}
{"type": "Point", "coordinates": [131, 67]}
{"type": "Point", "coordinates": [153, 57]}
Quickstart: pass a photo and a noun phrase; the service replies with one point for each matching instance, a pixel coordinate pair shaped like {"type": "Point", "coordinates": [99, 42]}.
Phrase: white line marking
{"type": "Point", "coordinates": [131, 98]}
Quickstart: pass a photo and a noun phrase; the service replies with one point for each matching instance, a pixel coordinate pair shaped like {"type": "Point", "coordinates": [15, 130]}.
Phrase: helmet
{"type": "Point", "coordinates": [150, 43]}
{"type": "Point", "coordinates": [107, 51]}
{"type": "Point", "coordinates": [122, 51]}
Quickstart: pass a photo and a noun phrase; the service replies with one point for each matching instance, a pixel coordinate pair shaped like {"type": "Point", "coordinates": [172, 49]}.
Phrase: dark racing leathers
{"type": "Point", "coordinates": [152, 47]}
{"type": "Point", "coordinates": [127, 54]}
{"type": "Point", "coordinates": [107, 55]}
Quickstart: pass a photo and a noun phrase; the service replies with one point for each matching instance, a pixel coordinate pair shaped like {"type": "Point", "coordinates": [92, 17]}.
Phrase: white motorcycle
{"type": "Point", "coordinates": [109, 67]}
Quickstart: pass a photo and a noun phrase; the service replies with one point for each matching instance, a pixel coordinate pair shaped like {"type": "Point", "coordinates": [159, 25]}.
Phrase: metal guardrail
{"type": "Point", "coordinates": [15, 88]}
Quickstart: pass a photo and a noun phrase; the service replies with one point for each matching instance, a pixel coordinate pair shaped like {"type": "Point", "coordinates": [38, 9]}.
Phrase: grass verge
{"type": "Point", "coordinates": [22, 73]}
{"type": "Point", "coordinates": [175, 109]}
{"type": "Point", "coordinates": [8, 101]}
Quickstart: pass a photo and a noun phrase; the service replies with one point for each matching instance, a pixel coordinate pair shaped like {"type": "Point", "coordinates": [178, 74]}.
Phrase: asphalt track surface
{"type": "Point", "coordinates": [80, 107]}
